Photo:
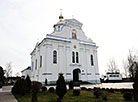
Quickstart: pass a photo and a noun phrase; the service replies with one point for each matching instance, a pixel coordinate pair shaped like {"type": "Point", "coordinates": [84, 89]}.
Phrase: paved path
{"type": "Point", "coordinates": [125, 85]}
{"type": "Point", "coordinates": [6, 95]}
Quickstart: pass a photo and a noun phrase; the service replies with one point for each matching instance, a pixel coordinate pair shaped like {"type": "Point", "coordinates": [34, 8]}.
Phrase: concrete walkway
{"type": "Point", "coordinates": [123, 85]}
{"type": "Point", "coordinates": [6, 95]}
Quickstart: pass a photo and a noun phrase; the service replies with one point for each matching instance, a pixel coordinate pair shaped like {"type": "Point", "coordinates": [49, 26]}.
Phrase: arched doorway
{"type": "Point", "coordinates": [76, 73]}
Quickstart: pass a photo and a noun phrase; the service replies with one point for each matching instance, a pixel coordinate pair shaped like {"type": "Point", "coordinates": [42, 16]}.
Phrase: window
{"type": "Point", "coordinates": [32, 66]}
{"type": "Point", "coordinates": [77, 57]}
{"type": "Point", "coordinates": [55, 57]}
{"type": "Point", "coordinates": [36, 64]}
{"type": "Point", "coordinates": [92, 60]}
{"type": "Point", "coordinates": [73, 57]}
{"type": "Point", "coordinates": [74, 34]}
{"type": "Point", "coordinates": [40, 61]}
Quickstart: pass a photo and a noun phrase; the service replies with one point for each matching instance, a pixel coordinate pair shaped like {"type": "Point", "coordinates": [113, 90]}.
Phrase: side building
{"type": "Point", "coordinates": [26, 72]}
{"type": "Point", "coordinates": [67, 50]}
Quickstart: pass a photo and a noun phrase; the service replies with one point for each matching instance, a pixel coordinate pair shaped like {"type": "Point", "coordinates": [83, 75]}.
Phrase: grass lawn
{"type": "Point", "coordinates": [85, 96]}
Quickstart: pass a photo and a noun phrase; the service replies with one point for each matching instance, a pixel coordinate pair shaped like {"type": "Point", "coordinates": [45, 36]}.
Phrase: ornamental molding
{"type": "Point", "coordinates": [73, 23]}
{"type": "Point", "coordinates": [75, 65]}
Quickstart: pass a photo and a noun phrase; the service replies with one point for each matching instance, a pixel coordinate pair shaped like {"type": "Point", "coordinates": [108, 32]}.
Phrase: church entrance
{"type": "Point", "coordinates": [76, 74]}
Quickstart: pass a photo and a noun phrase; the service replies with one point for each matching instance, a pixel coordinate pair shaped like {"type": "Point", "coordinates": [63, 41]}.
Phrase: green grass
{"type": "Point", "coordinates": [85, 96]}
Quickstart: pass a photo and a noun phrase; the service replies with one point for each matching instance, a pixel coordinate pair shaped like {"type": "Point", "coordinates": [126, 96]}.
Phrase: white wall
{"type": "Point", "coordinates": [64, 57]}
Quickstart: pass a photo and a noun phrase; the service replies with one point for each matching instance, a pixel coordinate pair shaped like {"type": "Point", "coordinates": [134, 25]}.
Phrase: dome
{"type": "Point", "coordinates": [61, 17]}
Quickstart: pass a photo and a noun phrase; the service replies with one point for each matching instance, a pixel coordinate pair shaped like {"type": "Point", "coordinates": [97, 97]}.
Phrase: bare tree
{"type": "Point", "coordinates": [126, 68]}
{"type": "Point", "coordinates": [8, 71]}
{"type": "Point", "coordinates": [112, 66]}
{"type": "Point", "coordinates": [132, 62]}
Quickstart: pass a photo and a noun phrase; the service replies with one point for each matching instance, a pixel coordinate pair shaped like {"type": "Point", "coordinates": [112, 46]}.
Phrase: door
{"type": "Point", "coordinates": [76, 73]}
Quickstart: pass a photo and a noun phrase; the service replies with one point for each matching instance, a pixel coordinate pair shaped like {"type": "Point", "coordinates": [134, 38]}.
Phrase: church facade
{"type": "Point", "coordinates": [68, 51]}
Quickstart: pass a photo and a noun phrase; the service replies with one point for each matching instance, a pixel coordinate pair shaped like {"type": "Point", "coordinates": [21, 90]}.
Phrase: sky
{"type": "Point", "coordinates": [112, 24]}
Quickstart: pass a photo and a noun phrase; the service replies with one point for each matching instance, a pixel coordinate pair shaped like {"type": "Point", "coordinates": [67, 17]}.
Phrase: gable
{"type": "Point", "coordinates": [66, 27]}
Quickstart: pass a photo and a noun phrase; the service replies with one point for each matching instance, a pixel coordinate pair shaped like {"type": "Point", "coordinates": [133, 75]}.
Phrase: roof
{"type": "Point", "coordinates": [70, 23]}
{"type": "Point", "coordinates": [28, 68]}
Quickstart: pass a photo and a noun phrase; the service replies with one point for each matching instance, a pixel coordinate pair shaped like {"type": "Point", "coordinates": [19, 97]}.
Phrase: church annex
{"type": "Point", "coordinates": [67, 50]}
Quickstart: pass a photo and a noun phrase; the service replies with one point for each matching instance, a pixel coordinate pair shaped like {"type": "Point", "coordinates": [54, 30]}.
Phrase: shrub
{"type": "Point", "coordinates": [104, 96]}
{"type": "Point", "coordinates": [111, 90]}
{"type": "Point", "coordinates": [89, 89]}
{"type": "Point", "coordinates": [51, 89]}
{"type": "Point", "coordinates": [44, 88]}
{"type": "Point", "coordinates": [122, 90]}
{"type": "Point", "coordinates": [36, 85]}
{"type": "Point", "coordinates": [71, 85]}
{"type": "Point", "coordinates": [83, 88]}
{"type": "Point", "coordinates": [28, 84]}
{"type": "Point", "coordinates": [76, 92]}
{"type": "Point", "coordinates": [61, 86]}
{"type": "Point", "coordinates": [58, 100]}
{"type": "Point", "coordinates": [19, 87]}
{"type": "Point", "coordinates": [127, 96]}
{"type": "Point", "coordinates": [103, 89]}
{"type": "Point", "coordinates": [97, 93]}
{"type": "Point", "coordinates": [96, 88]}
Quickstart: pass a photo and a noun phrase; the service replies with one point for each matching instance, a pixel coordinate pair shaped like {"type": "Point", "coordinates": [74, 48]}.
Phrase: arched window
{"type": "Point", "coordinates": [40, 61]}
{"type": "Point", "coordinates": [32, 66]}
{"type": "Point", "coordinates": [77, 57]}
{"type": "Point", "coordinates": [92, 60]}
{"type": "Point", "coordinates": [74, 36]}
{"type": "Point", "coordinates": [36, 64]}
{"type": "Point", "coordinates": [55, 57]}
{"type": "Point", "coordinates": [73, 57]}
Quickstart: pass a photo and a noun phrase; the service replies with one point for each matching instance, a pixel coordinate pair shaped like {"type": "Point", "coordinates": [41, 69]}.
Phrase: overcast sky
{"type": "Point", "coordinates": [112, 24]}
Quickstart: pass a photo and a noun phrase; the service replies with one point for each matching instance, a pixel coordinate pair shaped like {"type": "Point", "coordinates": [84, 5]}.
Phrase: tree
{"type": "Point", "coordinates": [61, 86]}
{"type": "Point", "coordinates": [126, 68]}
{"type": "Point", "coordinates": [8, 72]}
{"type": "Point", "coordinates": [135, 85]}
{"type": "Point", "coordinates": [112, 66]}
{"type": "Point", "coordinates": [133, 70]}
{"type": "Point", "coordinates": [36, 86]}
{"type": "Point", "coordinates": [1, 76]}
{"type": "Point", "coordinates": [132, 63]}
{"type": "Point", "coordinates": [19, 87]}
{"type": "Point", "coordinates": [28, 84]}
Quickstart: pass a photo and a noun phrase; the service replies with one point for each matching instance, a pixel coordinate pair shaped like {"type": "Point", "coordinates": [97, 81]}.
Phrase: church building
{"type": "Point", "coordinates": [68, 51]}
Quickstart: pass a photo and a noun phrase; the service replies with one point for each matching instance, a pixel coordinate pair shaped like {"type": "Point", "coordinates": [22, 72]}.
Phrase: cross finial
{"type": "Point", "coordinates": [60, 12]}
{"type": "Point", "coordinates": [61, 17]}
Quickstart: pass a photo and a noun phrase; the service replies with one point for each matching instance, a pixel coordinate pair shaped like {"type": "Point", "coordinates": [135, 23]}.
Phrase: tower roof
{"type": "Point", "coordinates": [61, 17]}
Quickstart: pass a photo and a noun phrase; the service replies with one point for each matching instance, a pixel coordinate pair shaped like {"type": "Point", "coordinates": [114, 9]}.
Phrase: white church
{"type": "Point", "coordinates": [68, 51]}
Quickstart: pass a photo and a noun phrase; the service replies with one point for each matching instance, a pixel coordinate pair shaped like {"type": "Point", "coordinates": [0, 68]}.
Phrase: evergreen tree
{"type": "Point", "coordinates": [1, 76]}
{"type": "Point", "coordinates": [135, 85]}
{"type": "Point", "coordinates": [28, 84]}
{"type": "Point", "coordinates": [19, 87]}
{"type": "Point", "coordinates": [36, 86]}
{"type": "Point", "coordinates": [61, 86]}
